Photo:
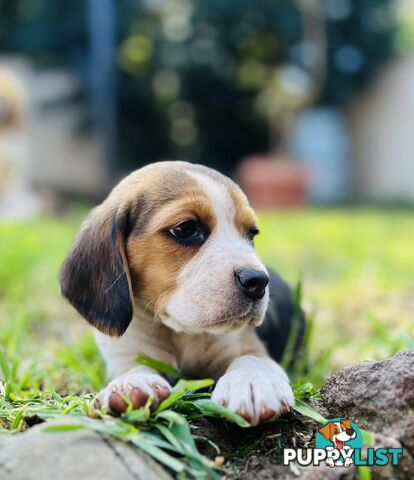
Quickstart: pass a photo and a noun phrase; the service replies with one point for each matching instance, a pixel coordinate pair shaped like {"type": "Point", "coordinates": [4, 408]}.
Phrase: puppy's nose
{"type": "Point", "coordinates": [252, 282]}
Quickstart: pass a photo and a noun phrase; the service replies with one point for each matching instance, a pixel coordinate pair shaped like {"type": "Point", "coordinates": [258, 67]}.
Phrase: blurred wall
{"type": "Point", "coordinates": [382, 129]}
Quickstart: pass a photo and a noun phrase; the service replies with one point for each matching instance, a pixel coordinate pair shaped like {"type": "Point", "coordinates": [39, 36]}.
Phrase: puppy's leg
{"type": "Point", "coordinates": [254, 386]}
{"type": "Point", "coordinates": [132, 381]}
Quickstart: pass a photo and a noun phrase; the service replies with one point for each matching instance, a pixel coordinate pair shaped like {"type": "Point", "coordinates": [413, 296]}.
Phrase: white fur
{"type": "Point", "coordinates": [252, 386]}
{"type": "Point", "coordinates": [207, 294]}
{"type": "Point", "coordinates": [142, 378]}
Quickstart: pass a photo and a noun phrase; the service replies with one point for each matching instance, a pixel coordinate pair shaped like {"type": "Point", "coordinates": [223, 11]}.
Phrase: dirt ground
{"type": "Point", "coordinates": [255, 453]}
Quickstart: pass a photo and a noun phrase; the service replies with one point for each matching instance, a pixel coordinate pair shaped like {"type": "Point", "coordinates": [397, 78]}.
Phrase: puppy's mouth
{"type": "Point", "coordinates": [250, 315]}
{"type": "Point", "coordinates": [247, 316]}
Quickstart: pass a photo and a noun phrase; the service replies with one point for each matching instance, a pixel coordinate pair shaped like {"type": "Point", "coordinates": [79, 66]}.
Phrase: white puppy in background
{"type": "Point", "coordinates": [16, 197]}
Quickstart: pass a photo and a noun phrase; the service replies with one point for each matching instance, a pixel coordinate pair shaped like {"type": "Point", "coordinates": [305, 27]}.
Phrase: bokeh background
{"type": "Point", "coordinates": [308, 104]}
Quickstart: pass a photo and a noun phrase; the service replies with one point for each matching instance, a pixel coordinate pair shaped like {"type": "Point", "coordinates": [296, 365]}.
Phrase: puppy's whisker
{"type": "Point", "coordinates": [114, 282]}
{"type": "Point", "coordinates": [157, 298]}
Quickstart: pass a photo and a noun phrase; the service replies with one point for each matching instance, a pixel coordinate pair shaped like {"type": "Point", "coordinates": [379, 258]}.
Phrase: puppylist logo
{"type": "Point", "coordinates": [339, 444]}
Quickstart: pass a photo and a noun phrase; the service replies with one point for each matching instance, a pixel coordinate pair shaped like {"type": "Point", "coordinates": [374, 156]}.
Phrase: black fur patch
{"type": "Point", "coordinates": [277, 325]}
{"type": "Point", "coordinates": [95, 277]}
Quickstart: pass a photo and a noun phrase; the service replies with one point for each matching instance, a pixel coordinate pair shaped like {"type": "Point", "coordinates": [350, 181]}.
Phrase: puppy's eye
{"type": "Point", "coordinates": [190, 232]}
{"type": "Point", "coordinates": [252, 233]}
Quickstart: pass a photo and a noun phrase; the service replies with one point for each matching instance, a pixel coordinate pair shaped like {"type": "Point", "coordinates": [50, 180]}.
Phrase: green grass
{"type": "Point", "coordinates": [355, 268]}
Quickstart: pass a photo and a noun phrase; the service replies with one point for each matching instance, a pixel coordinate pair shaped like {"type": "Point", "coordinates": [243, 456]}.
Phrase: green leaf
{"type": "Point", "coordinates": [305, 390]}
{"type": "Point", "coordinates": [140, 415]}
{"type": "Point", "coordinates": [116, 428]}
{"type": "Point", "coordinates": [64, 428]}
{"type": "Point", "coordinates": [307, 411]}
{"type": "Point", "coordinates": [179, 390]}
{"type": "Point", "coordinates": [364, 472]}
{"type": "Point", "coordinates": [18, 420]}
{"type": "Point", "coordinates": [212, 409]}
{"type": "Point", "coordinates": [169, 435]}
{"type": "Point", "coordinates": [142, 442]}
{"type": "Point", "coordinates": [368, 438]}
{"type": "Point", "coordinates": [5, 366]}
{"type": "Point", "coordinates": [295, 327]}
{"type": "Point", "coordinates": [170, 416]}
{"type": "Point", "coordinates": [160, 366]}
{"type": "Point", "coordinates": [179, 435]}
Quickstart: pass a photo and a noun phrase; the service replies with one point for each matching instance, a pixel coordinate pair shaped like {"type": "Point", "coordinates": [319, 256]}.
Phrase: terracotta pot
{"type": "Point", "coordinates": [273, 182]}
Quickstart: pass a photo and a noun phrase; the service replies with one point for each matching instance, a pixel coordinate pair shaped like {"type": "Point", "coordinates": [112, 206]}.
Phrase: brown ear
{"type": "Point", "coordinates": [327, 431]}
{"type": "Point", "coordinates": [347, 424]}
{"type": "Point", "coordinates": [95, 276]}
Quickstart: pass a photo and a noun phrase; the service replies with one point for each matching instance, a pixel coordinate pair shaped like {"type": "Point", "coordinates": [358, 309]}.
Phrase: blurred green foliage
{"type": "Point", "coordinates": [204, 80]}
{"type": "Point", "coordinates": [355, 265]}
{"type": "Point", "coordinates": [356, 268]}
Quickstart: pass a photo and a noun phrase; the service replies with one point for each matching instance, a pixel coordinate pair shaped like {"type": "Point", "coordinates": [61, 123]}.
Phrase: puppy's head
{"type": "Point", "coordinates": [177, 239]}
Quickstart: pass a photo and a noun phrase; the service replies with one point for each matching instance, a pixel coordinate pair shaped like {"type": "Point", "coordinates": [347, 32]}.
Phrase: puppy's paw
{"type": "Point", "coordinates": [135, 386]}
{"type": "Point", "coordinates": [258, 397]}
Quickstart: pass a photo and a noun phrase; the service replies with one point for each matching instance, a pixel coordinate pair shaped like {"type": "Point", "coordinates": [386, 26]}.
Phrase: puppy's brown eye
{"type": "Point", "coordinates": [190, 232]}
{"type": "Point", "coordinates": [252, 233]}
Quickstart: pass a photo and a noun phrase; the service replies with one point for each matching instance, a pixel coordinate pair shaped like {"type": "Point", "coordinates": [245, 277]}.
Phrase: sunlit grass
{"type": "Point", "coordinates": [356, 269]}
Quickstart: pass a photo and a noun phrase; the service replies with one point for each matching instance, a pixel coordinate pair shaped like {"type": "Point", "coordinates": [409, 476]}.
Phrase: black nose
{"type": "Point", "coordinates": [253, 283]}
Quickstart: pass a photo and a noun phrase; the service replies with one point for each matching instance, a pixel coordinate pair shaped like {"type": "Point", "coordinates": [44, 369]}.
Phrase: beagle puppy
{"type": "Point", "coordinates": [166, 267]}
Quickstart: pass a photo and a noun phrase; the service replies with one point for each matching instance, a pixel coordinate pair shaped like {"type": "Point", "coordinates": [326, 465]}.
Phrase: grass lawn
{"type": "Point", "coordinates": [356, 268]}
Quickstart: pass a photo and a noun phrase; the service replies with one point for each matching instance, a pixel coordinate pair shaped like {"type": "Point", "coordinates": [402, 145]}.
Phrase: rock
{"type": "Point", "coordinates": [327, 473]}
{"type": "Point", "coordinates": [378, 396]}
{"type": "Point", "coordinates": [73, 455]}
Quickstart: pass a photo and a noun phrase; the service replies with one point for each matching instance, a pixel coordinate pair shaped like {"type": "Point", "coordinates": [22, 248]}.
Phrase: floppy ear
{"type": "Point", "coordinates": [95, 276]}
{"type": "Point", "coordinates": [347, 424]}
{"type": "Point", "coordinates": [327, 431]}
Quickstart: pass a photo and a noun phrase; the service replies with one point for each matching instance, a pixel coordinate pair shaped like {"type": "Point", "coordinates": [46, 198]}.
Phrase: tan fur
{"type": "Point", "coordinates": [245, 218]}
{"type": "Point", "coordinates": [154, 258]}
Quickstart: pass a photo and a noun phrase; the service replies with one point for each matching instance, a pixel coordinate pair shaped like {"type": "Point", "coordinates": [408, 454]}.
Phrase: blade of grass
{"type": "Point", "coordinates": [307, 411]}
{"type": "Point", "coordinates": [159, 454]}
{"type": "Point", "coordinates": [63, 428]}
{"type": "Point", "coordinates": [160, 366]}
{"type": "Point", "coordinates": [5, 366]}
{"type": "Point", "coordinates": [208, 407]}
{"type": "Point", "coordinates": [364, 472]}
{"type": "Point", "coordinates": [295, 328]}
{"type": "Point", "coordinates": [179, 390]}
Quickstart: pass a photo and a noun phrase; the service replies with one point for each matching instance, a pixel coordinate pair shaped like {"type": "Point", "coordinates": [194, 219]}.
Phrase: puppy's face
{"type": "Point", "coordinates": [183, 241]}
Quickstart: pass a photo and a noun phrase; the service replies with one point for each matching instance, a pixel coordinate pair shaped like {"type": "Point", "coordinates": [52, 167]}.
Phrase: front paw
{"type": "Point", "coordinates": [137, 387]}
{"type": "Point", "coordinates": [255, 396]}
